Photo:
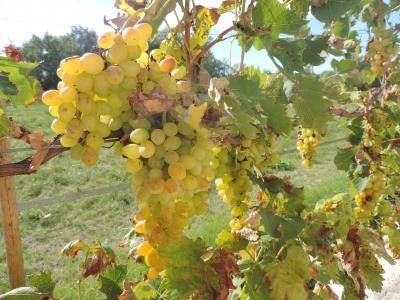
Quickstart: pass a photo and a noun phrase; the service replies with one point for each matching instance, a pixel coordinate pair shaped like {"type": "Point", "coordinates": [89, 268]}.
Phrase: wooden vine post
{"type": "Point", "coordinates": [9, 209]}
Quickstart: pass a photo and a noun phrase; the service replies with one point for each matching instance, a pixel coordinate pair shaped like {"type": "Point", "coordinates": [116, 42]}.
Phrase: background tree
{"type": "Point", "coordinates": [50, 50]}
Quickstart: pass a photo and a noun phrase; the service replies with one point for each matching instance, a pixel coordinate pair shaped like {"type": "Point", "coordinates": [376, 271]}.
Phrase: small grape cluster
{"type": "Point", "coordinates": [233, 165]}
{"type": "Point", "coordinates": [307, 141]}
{"type": "Point", "coordinates": [381, 52]}
{"type": "Point", "coordinates": [92, 98]}
{"type": "Point", "coordinates": [171, 174]}
{"type": "Point", "coordinates": [367, 200]}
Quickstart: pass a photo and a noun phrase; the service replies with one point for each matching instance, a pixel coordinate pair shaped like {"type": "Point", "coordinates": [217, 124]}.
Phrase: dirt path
{"type": "Point", "coordinates": [391, 285]}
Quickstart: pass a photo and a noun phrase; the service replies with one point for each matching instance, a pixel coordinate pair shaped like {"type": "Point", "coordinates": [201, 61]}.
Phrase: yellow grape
{"type": "Point", "coordinates": [92, 63]}
{"type": "Point", "coordinates": [114, 75]}
{"type": "Point", "coordinates": [172, 143]}
{"type": "Point", "coordinates": [156, 186]}
{"type": "Point", "coordinates": [170, 129]}
{"type": "Point", "coordinates": [129, 83]}
{"type": "Point", "coordinates": [106, 40]}
{"type": "Point", "coordinates": [131, 36]}
{"type": "Point", "coordinates": [147, 149]}
{"type": "Point", "coordinates": [177, 171]}
{"type": "Point", "coordinates": [115, 124]}
{"type": "Point", "coordinates": [134, 165]}
{"type": "Point", "coordinates": [74, 128]}
{"type": "Point", "coordinates": [102, 130]}
{"type": "Point", "coordinates": [101, 85]}
{"type": "Point", "coordinates": [66, 112]}
{"type": "Point", "coordinates": [58, 126]}
{"type": "Point", "coordinates": [89, 156]}
{"type": "Point", "coordinates": [167, 64]}
{"type": "Point", "coordinates": [171, 186]}
{"type": "Point", "coordinates": [68, 94]}
{"type": "Point", "coordinates": [76, 152]}
{"type": "Point", "coordinates": [171, 157]}
{"type": "Point", "coordinates": [144, 29]}
{"type": "Point", "coordinates": [85, 104]}
{"type": "Point", "coordinates": [90, 122]}
{"type": "Point", "coordinates": [51, 97]}
{"type": "Point", "coordinates": [59, 72]}
{"type": "Point", "coordinates": [68, 79]}
{"type": "Point", "coordinates": [102, 108]}
{"type": "Point", "coordinates": [134, 52]}
{"type": "Point", "coordinates": [68, 141]}
{"type": "Point", "coordinates": [131, 151]}
{"type": "Point", "coordinates": [53, 110]}
{"type": "Point", "coordinates": [71, 65]}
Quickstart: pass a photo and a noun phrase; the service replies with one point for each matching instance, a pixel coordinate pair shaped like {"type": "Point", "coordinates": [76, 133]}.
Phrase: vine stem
{"type": "Point", "coordinates": [186, 17]}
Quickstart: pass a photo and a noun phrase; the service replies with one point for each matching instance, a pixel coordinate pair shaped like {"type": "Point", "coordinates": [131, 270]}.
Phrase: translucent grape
{"type": "Point", "coordinates": [92, 63]}
{"type": "Point", "coordinates": [139, 135]}
{"type": "Point", "coordinates": [131, 151]}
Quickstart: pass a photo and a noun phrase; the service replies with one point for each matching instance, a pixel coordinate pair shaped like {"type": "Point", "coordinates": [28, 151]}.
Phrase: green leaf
{"type": "Point", "coordinates": [273, 17]}
{"type": "Point", "coordinates": [157, 12]}
{"type": "Point", "coordinates": [18, 75]}
{"type": "Point", "coordinates": [344, 66]}
{"type": "Point", "coordinates": [345, 157]}
{"type": "Point", "coordinates": [5, 125]}
{"type": "Point", "coordinates": [310, 105]}
{"type": "Point", "coordinates": [22, 293]}
{"type": "Point", "coordinates": [143, 291]}
{"type": "Point", "coordinates": [314, 46]}
{"type": "Point", "coordinates": [342, 27]}
{"type": "Point", "coordinates": [278, 119]}
{"type": "Point", "coordinates": [333, 10]}
{"type": "Point", "coordinates": [43, 282]}
{"type": "Point", "coordinates": [111, 281]}
{"type": "Point", "coordinates": [289, 52]}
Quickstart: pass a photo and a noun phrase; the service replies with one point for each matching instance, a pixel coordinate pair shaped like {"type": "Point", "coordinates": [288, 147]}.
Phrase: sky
{"type": "Point", "coordinates": [20, 19]}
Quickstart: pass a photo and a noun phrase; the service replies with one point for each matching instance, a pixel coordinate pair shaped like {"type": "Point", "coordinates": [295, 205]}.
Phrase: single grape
{"type": "Point", "coordinates": [106, 40]}
{"type": "Point", "coordinates": [157, 136]}
{"type": "Point", "coordinates": [131, 151]}
{"type": "Point", "coordinates": [68, 141]}
{"type": "Point", "coordinates": [51, 97]}
{"type": "Point", "coordinates": [170, 129]}
{"type": "Point", "coordinates": [89, 156]}
{"type": "Point", "coordinates": [139, 135]}
{"type": "Point", "coordinates": [66, 112]}
{"type": "Point", "coordinates": [71, 65]}
{"type": "Point", "coordinates": [92, 63]}
{"type": "Point", "coordinates": [172, 143]}
{"type": "Point", "coordinates": [177, 171]}
{"type": "Point", "coordinates": [147, 149]}
{"type": "Point", "coordinates": [58, 126]}
{"type": "Point", "coordinates": [114, 74]}
{"type": "Point", "coordinates": [94, 140]}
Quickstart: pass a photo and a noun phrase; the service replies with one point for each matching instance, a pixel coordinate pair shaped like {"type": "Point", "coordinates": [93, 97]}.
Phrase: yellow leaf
{"type": "Point", "coordinates": [195, 114]}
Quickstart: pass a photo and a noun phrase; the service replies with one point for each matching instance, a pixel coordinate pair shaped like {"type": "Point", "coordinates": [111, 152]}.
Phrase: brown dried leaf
{"type": "Point", "coordinates": [72, 248]}
{"type": "Point", "coordinates": [156, 101]}
{"type": "Point", "coordinates": [94, 264]}
{"type": "Point", "coordinates": [19, 132]}
{"type": "Point", "coordinates": [42, 149]}
{"type": "Point", "coordinates": [253, 219]}
{"type": "Point", "coordinates": [225, 265]}
{"type": "Point", "coordinates": [127, 293]}
{"type": "Point", "coordinates": [248, 234]}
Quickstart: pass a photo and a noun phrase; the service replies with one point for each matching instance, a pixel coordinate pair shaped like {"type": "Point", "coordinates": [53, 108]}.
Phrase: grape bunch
{"type": "Point", "coordinates": [367, 199]}
{"type": "Point", "coordinates": [171, 174]}
{"type": "Point", "coordinates": [307, 141]}
{"type": "Point", "coordinates": [92, 98]}
{"type": "Point", "coordinates": [381, 52]}
{"type": "Point", "coordinates": [233, 164]}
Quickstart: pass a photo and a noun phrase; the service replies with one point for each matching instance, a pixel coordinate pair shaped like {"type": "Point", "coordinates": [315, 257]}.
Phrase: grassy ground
{"type": "Point", "coordinates": [106, 217]}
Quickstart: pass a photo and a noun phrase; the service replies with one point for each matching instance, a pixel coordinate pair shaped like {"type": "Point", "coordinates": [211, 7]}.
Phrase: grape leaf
{"type": "Point", "coordinates": [310, 104]}
{"type": "Point", "coordinates": [111, 281]}
{"type": "Point", "coordinates": [314, 46]}
{"type": "Point", "coordinates": [157, 12]}
{"type": "Point", "coordinates": [18, 75]}
{"type": "Point", "coordinates": [342, 27]}
{"type": "Point", "coordinates": [5, 124]}
{"type": "Point", "coordinates": [43, 282]}
{"type": "Point", "coordinates": [289, 52]}
{"type": "Point", "coordinates": [275, 18]}
{"type": "Point", "coordinates": [345, 157]}
{"type": "Point", "coordinates": [333, 10]}
{"type": "Point", "coordinates": [144, 291]}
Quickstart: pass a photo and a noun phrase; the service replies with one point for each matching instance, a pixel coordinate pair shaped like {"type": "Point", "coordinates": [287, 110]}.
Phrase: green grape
{"type": "Point", "coordinates": [101, 84]}
{"type": "Point", "coordinates": [66, 112]}
{"type": "Point", "coordinates": [84, 83]}
{"type": "Point", "coordinates": [92, 63]}
{"type": "Point", "coordinates": [306, 144]}
{"type": "Point", "coordinates": [140, 123]}
{"type": "Point", "coordinates": [129, 83]}
{"type": "Point", "coordinates": [94, 140]}
{"type": "Point", "coordinates": [114, 101]}
{"type": "Point", "coordinates": [115, 124]}
{"type": "Point", "coordinates": [148, 86]}
{"type": "Point", "coordinates": [155, 173]}
{"type": "Point", "coordinates": [130, 68]}
{"type": "Point", "coordinates": [117, 54]}
{"type": "Point", "coordinates": [131, 151]}
{"type": "Point", "coordinates": [90, 122]}
{"type": "Point", "coordinates": [134, 52]}
{"type": "Point", "coordinates": [114, 75]}
{"type": "Point", "coordinates": [127, 115]}
{"type": "Point", "coordinates": [76, 152]}
{"type": "Point", "coordinates": [157, 136]}
{"type": "Point", "coordinates": [155, 162]}
{"type": "Point", "coordinates": [171, 157]}
{"type": "Point", "coordinates": [188, 161]}
{"type": "Point", "coordinates": [172, 143]}
{"type": "Point", "coordinates": [102, 130]}
{"type": "Point", "coordinates": [170, 129]}
{"type": "Point", "coordinates": [147, 149]}
{"type": "Point", "coordinates": [139, 135]}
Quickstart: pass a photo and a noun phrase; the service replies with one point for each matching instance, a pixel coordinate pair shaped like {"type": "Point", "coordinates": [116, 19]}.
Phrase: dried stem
{"type": "Point", "coordinates": [339, 111]}
{"type": "Point", "coordinates": [187, 30]}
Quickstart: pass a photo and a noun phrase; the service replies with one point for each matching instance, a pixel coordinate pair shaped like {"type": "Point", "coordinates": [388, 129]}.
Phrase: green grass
{"type": "Point", "coordinates": [106, 217]}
